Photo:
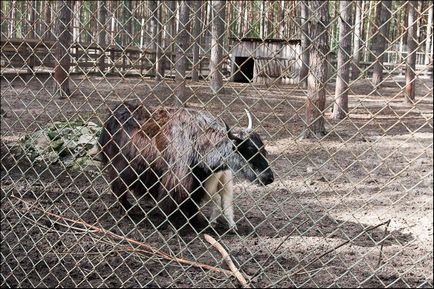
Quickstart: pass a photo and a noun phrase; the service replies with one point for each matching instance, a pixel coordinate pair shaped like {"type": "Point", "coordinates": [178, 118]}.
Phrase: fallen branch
{"type": "Point", "coordinates": [227, 259]}
{"type": "Point", "coordinates": [143, 246]}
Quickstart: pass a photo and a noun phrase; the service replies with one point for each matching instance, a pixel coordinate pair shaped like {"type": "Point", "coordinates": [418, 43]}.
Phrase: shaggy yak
{"type": "Point", "coordinates": [181, 157]}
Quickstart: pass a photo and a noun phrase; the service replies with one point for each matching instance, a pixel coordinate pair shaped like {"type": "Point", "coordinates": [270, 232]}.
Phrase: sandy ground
{"type": "Point", "coordinates": [373, 167]}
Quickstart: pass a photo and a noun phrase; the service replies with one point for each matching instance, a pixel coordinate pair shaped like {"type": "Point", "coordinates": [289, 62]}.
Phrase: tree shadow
{"type": "Point", "coordinates": [325, 226]}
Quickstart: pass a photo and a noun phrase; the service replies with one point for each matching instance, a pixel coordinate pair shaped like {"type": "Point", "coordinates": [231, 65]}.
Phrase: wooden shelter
{"type": "Point", "coordinates": [266, 60]}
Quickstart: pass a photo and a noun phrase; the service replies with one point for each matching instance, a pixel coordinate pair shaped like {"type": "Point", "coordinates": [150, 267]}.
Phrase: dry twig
{"type": "Point", "coordinates": [144, 248]}
{"type": "Point", "coordinates": [227, 259]}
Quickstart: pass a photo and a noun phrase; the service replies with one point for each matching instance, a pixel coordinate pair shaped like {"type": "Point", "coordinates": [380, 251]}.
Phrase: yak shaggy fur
{"type": "Point", "coordinates": [171, 153]}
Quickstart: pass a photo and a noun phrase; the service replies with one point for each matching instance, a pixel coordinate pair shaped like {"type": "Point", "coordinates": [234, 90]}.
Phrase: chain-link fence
{"type": "Point", "coordinates": [127, 160]}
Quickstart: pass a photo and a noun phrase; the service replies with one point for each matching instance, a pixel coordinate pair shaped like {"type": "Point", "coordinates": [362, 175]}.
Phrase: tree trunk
{"type": "Point", "coordinates": [93, 6]}
{"type": "Point", "coordinates": [76, 29]}
{"type": "Point", "coordinates": [428, 41]}
{"type": "Point", "coordinates": [380, 40]}
{"type": "Point", "coordinates": [12, 17]}
{"type": "Point", "coordinates": [196, 40]}
{"type": "Point", "coordinates": [76, 22]}
{"type": "Point", "coordinates": [182, 39]}
{"type": "Point", "coordinates": [32, 23]}
{"type": "Point", "coordinates": [101, 23]}
{"type": "Point", "coordinates": [112, 29]}
{"type": "Point", "coordinates": [153, 4]}
{"type": "Point", "coordinates": [340, 108]}
{"type": "Point", "coordinates": [246, 18]}
{"type": "Point", "coordinates": [262, 20]}
{"type": "Point", "coordinates": [315, 104]}
{"type": "Point", "coordinates": [367, 31]}
{"type": "Point", "coordinates": [305, 42]}
{"type": "Point", "coordinates": [31, 33]}
{"type": "Point", "coordinates": [333, 28]}
{"type": "Point", "coordinates": [281, 13]}
{"type": "Point", "coordinates": [128, 29]}
{"type": "Point", "coordinates": [229, 20]}
{"type": "Point", "coordinates": [172, 28]}
{"type": "Point", "coordinates": [63, 43]}
{"type": "Point", "coordinates": [112, 22]}
{"type": "Point", "coordinates": [411, 53]}
{"type": "Point", "coordinates": [159, 59]}
{"type": "Point", "coordinates": [38, 22]}
{"type": "Point", "coordinates": [216, 59]}
{"type": "Point", "coordinates": [355, 71]}
{"type": "Point", "coordinates": [270, 20]}
{"type": "Point", "coordinates": [419, 9]}
{"type": "Point", "coordinates": [241, 11]}
{"type": "Point", "coordinates": [47, 22]}
{"type": "Point", "coordinates": [142, 33]}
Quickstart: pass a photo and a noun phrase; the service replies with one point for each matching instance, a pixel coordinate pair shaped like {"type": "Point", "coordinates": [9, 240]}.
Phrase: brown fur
{"type": "Point", "coordinates": [171, 152]}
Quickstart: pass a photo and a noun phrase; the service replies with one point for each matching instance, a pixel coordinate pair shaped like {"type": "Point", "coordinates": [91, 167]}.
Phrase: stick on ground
{"type": "Point", "coordinates": [227, 259]}
{"type": "Point", "coordinates": [142, 247]}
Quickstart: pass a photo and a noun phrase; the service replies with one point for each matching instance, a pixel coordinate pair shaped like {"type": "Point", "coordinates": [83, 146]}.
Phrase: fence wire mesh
{"type": "Point", "coordinates": [126, 160]}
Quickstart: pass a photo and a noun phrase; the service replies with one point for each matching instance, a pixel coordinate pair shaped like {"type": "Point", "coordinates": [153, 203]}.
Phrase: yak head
{"type": "Point", "coordinates": [251, 149]}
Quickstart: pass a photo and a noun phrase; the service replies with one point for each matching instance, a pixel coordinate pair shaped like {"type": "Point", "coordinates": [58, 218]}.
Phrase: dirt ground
{"type": "Point", "coordinates": [313, 227]}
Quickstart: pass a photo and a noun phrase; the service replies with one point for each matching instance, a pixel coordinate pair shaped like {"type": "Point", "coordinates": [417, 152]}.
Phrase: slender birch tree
{"type": "Point", "coordinates": [411, 52]}
{"type": "Point", "coordinates": [340, 108]}
{"type": "Point", "coordinates": [217, 33]}
{"type": "Point", "coordinates": [182, 40]}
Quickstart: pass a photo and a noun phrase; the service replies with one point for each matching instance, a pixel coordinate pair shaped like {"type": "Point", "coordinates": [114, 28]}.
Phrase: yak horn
{"type": "Point", "coordinates": [250, 126]}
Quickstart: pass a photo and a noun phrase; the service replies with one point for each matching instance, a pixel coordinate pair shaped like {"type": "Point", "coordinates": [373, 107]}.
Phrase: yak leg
{"type": "Point", "coordinates": [219, 187]}
{"type": "Point", "coordinates": [227, 195]}
{"type": "Point", "coordinates": [212, 187]}
{"type": "Point", "coordinates": [120, 190]}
